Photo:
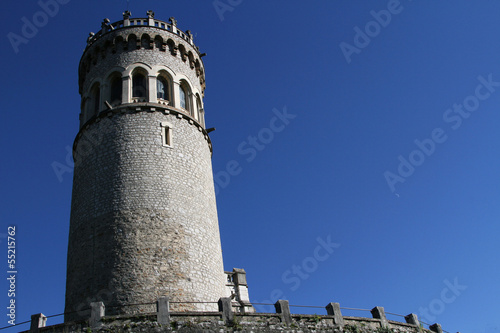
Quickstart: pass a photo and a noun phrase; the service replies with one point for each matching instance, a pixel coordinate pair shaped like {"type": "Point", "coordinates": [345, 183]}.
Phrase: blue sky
{"type": "Point", "coordinates": [318, 116]}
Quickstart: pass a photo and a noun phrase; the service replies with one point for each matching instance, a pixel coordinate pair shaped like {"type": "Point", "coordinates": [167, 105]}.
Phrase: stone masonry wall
{"type": "Point", "coordinates": [143, 217]}
{"type": "Point", "coordinates": [213, 322]}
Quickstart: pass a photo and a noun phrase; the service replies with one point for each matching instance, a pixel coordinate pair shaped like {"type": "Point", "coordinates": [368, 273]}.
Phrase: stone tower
{"type": "Point", "coordinates": [143, 212]}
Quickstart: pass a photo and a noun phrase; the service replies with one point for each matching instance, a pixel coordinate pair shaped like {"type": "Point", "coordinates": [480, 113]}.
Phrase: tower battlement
{"type": "Point", "coordinates": [150, 21]}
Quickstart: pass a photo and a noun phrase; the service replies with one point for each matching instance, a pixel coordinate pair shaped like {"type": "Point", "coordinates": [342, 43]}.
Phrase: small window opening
{"type": "Point", "coordinates": [166, 135]}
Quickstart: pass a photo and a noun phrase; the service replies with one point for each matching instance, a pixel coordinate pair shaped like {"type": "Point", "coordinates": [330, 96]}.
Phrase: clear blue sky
{"type": "Point", "coordinates": [360, 106]}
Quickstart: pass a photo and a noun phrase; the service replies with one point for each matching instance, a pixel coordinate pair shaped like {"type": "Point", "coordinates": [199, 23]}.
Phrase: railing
{"type": "Point", "coordinates": [164, 316]}
{"type": "Point", "coordinates": [128, 22]}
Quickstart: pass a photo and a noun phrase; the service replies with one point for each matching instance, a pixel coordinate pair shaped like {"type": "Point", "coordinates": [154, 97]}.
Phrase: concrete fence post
{"type": "Point", "coordinates": [283, 308]}
{"type": "Point", "coordinates": [333, 309]}
{"type": "Point", "coordinates": [412, 319]}
{"type": "Point", "coordinates": [37, 320]}
{"type": "Point", "coordinates": [379, 313]}
{"type": "Point", "coordinates": [162, 311]}
{"type": "Point", "coordinates": [436, 328]}
{"type": "Point", "coordinates": [96, 314]}
{"type": "Point", "coordinates": [225, 307]}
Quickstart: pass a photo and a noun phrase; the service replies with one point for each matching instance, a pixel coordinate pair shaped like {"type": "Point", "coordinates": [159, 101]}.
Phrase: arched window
{"type": "Point", "coordinates": [162, 88]}
{"type": "Point", "coordinates": [139, 87]}
{"type": "Point", "coordinates": [95, 100]}
{"type": "Point", "coordinates": [199, 111]}
{"type": "Point", "coordinates": [183, 97]}
{"type": "Point", "coordinates": [198, 108]}
{"type": "Point", "coordinates": [116, 90]}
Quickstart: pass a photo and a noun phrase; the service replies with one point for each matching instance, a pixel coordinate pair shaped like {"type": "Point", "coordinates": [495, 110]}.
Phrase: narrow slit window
{"type": "Point", "coordinates": [166, 133]}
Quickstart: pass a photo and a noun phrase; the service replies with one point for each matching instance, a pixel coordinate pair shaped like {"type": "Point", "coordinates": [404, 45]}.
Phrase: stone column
{"type": "Point", "coordinates": [151, 18]}
{"type": "Point", "coordinates": [333, 309]}
{"type": "Point", "coordinates": [162, 309]}
{"type": "Point", "coordinates": [126, 18]}
{"type": "Point", "coordinates": [283, 308]}
{"type": "Point", "coordinates": [126, 91]}
{"type": "Point", "coordinates": [379, 313]}
{"type": "Point", "coordinates": [152, 89]}
{"type": "Point", "coordinates": [177, 96]}
{"type": "Point", "coordinates": [226, 308]}
{"type": "Point", "coordinates": [436, 328]}
{"type": "Point", "coordinates": [412, 319]}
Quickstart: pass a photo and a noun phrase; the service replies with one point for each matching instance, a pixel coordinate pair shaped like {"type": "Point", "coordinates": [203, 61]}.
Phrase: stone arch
{"type": "Point", "coordinates": [191, 59]}
{"type": "Point", "coordinates": [164, 87]}
{"type": "Point", "coordinates": [172, 47]}
{"type": "Point", "coordinates": [118, 44]}
{"type": "Point", "coordinates": [140, 85]}
{"type": "Point", "coordinates": [197, 65]}
{"type": "Point", "coordinates": [146, 42]}
{"type": "Point", "coordinates": [132, 42]}
{"type": "Point", "coordinates": [114, 87]}
{"type": "Point", "coordinates": [93, 99]}
{"type": "Point", "coordinates": [182, 50]}
{"type": "Point", "coordinates": [158, 43]}
{"type": "Point", "coordinates": [108, 48]}
{"type": "Point", "coordinates": [186, 96]}
{"type": "Point", "coordinates": [142, 65]}
{"type": "Point", "coordinates": [199, 112]}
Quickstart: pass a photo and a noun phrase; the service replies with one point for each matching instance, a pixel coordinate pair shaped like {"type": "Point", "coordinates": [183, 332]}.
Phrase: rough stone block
{"type": "Point", "coordinates": [412, 319]}
{"type": "Point", "coordinates": [333, 309]}
{"type": "Point", "coordinates": [162, 309]}
{"type": "Point", "coordinates": [379, 313]}
{"type": "Point", "coordinates": [283, 308]}
{"type": "Point", "coordinates": [436, 328]}
{"type": "Point", "coordinates": [225, 307]}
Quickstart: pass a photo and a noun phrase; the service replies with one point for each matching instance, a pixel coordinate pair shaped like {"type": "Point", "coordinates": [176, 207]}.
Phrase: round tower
{"type": "Point", "coordinates": [143, 212]}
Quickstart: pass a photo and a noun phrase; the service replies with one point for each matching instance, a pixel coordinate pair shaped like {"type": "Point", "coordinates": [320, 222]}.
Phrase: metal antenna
{"type": "Point", "coordinates": [128, 1]}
